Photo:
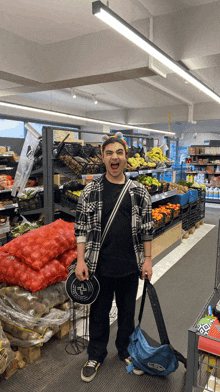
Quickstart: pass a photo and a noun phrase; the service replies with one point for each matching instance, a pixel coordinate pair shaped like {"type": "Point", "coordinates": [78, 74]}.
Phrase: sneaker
{"type": "Point", "coordinates": [136, 371]}
{"type": "Point", "coordinates": [89, 370]}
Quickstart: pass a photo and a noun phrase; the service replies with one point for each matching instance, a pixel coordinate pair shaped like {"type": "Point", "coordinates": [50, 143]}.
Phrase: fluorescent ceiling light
{"type": "Point", "coordinates": [116, 22]}
{"type": "Point", "coordinates": [73, 94]}
{"type": "Point", "coordinates": [94, 100]}
{"type": "Point", "coordinates": [80, 118]}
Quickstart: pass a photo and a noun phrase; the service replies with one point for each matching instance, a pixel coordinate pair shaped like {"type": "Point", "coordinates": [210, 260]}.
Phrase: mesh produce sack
{"type": "Point", "coordinates": [14, 272]}
{"type": "Point", "coordinates": [37, 247]}
{"type": "Point", "coordinates": [67, 257]}
{"type": "Point", "coordinates": [34, 304]}
{"type": "Point", "coordinates": [6, 353]}
{"type": "Point", "coordinates": [31, 317]}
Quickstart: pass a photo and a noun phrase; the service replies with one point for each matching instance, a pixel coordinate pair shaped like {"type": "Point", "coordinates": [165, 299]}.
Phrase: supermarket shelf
{"type": "Point", "coordinates": [92, 176]}
{"type": "Point", "coordinates": [65, 209]}
{"type": "Point", "coordinates": [205, 164]}
{"type": "Point", "coordinates": [15, 205]}
{"type": "Point", "coordinates": [8, 155]}
{"type": "Point", "coordinates": [5, 190]}
{"type": "Point", "coordinates": [30, 212]}
{"type": "Point", "coordinates": [211, 200]}
{"type": "Point", "coordinates": [37, 171]}
{"type": "Point", "coordinates": [128, 174]}
{"type": "Point", "coordinates": [154, 171]}
{"type": "Point", "coordinates": [6, 168]}
{"type": "Point", "coordinates": [202, 154]}
{"type": "Point", "coordinates": [162, 196]}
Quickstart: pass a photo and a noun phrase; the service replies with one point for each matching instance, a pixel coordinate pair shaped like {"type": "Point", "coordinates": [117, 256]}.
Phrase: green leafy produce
{"type": "Point", "coordinates": [28, 195]}
{"type": "Point", "coordinates": [24, 228]}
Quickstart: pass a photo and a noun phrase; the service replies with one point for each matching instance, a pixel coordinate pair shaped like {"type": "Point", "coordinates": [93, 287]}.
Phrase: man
{"type": "Point", "coordinates": [123, 257]}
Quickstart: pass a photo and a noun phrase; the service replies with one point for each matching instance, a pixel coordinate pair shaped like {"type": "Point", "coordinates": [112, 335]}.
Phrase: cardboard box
{"type": "Point", "coordinates": [58, 136]}
{"type": "Point", "coordinates": [191, 150]}
{"type": "Point", "coordinates": [59, 179]}
{"type": "Point", "coordinates": [209, 169]}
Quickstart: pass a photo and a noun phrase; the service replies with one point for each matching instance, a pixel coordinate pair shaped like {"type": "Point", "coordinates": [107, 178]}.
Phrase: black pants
{"type": "Point", "coordinates": [125, 290]}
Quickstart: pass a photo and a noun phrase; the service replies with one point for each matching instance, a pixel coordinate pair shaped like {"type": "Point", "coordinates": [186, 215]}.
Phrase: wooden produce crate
{"type": "Point", "coordinates": [32, 353]}
{"type": "Point", "coordinates": [16, 364]}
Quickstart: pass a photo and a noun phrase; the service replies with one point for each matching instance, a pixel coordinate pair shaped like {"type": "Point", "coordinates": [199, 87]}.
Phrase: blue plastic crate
{"type": "Point", "coordinates": [181, 199]}
{"type": "Point", "coordinates": [193, 195]}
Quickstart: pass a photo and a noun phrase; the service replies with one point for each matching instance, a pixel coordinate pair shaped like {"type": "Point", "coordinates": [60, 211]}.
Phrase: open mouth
{"type": "Point", "coordinates": [114, 166]}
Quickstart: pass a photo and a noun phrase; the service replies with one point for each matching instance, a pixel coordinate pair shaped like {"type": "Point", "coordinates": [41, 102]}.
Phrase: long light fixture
{"type": "Point", "coordinates": [117, 23]}
{"type": "Point", "coordinates": [80, 118]}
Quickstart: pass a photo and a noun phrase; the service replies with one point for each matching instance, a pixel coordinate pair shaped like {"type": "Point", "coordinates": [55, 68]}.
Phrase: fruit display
{"type": "Point", "coordinates": [137, 161]}
{"type": "Point", "coordinates": [148, 181]}
{"type": "Point", "coordinates": [175, 208]}
{"type": "Point", "coordinates": [157, 155]}
{"type": "Point", "coordinates": [73, 194]}
{"type": "Point", "coordinates": [166, 211]}
{"type": "Point", "coordinates": [157, 217]}
{"type": "Point", "coordinates": [181, 189]}
{"type": "Point", "coordinates": [6, 182]}
{"type": "Point", "coordinates": [196, 185]}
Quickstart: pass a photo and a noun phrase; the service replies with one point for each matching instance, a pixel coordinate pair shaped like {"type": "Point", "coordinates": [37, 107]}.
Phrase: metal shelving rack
{"type": "Point", "coordinates": [49, 171]}
{"type": "Point", "coordinates": [197, 375]}
{"type": "Point", "coordinates": [197, 165]}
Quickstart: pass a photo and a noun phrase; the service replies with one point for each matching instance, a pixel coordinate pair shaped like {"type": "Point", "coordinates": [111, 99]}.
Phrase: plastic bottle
{"type": "Point", "coordinates": [207, 191]}
{"type": "Point", "coordinates": [216, 193]}
{"type": "Point", "coordinates": [211, 192]}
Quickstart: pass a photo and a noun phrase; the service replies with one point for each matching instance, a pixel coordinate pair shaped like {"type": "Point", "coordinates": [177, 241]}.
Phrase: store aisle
{"type": "Point", "coordinates": [182, 290]}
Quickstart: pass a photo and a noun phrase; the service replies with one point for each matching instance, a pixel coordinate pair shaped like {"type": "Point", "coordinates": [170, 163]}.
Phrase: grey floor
{"type": "Point", "coordinates": [182, 290]}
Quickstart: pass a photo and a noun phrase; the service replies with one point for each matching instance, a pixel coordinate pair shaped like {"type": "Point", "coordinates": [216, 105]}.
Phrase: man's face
{"type": "Point", "coordinates": [115, 159]}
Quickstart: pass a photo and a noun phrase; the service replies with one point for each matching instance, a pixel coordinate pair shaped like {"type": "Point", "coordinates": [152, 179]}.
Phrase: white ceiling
{"type": "Point", "coordinates": [50, 47]}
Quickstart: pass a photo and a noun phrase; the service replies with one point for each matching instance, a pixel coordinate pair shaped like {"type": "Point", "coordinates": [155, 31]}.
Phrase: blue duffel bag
{"type": "Point", "coordinates": [146, 353]}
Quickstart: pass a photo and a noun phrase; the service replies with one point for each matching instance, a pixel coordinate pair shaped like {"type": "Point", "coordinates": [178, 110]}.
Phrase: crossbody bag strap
{"type": "Point", "coordinates": [115, 209]}
{"type": "Point", "coordinates": [156, 310]}
{"type": "Point", "coordinates": [159, 318]}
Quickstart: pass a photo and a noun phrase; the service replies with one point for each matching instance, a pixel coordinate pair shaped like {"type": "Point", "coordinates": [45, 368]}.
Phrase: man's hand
{"type": "Point", "coordinates": [147, 268]}
{"type": "Point", "coordinates": [81, 270]}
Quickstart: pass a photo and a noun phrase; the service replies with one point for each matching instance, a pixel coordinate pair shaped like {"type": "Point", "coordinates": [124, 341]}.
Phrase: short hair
{"type": "Point", "coordinates": [114, 139]}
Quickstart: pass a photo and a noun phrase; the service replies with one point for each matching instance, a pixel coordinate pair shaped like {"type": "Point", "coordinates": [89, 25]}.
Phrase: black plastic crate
{"type": "Point", "coordinates": [184, 211]}
{"type": "Point", "coordinates": [193, 206]}
{"type": "Point", "coordinates": [33, 203]}
{"type": "Point", "coordinates": [74, 149]}
{"type": "Point", "coordinates": [69, 164]}
{"type": "Point", "coordinates": [68, 202]}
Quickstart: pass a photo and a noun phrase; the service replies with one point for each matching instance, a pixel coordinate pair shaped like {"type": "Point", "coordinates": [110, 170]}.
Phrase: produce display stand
{"type": "Point", "coordinates": [50, 168]}
{"type": "Point", "coordinates": [204, 366]}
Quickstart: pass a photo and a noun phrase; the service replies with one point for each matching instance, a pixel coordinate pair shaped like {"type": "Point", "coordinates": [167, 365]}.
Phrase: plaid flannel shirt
{"type": "Point", "coordinates": [88, 220]}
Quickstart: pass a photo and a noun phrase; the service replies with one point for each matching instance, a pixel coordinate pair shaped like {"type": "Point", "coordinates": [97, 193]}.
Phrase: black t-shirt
{"type": "Point", "coordinates": [117, 256]}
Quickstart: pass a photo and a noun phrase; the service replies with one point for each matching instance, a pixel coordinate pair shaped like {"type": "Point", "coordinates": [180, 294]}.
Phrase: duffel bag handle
{"type": "Point", "coordinates": [156, 310]}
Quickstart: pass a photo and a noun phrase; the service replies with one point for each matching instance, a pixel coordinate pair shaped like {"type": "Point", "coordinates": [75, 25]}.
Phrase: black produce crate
{"type": "Point", "coordinates": [193, 206]}
{"type": "Point", "coordinates": [184, 211]}
{"type": "Point", "coordinates": [74, 149]}
{"type": "Point", "coordinates": [68, 163]}
{"type": "Point", "coordinates": [89, 151]}
{"type": "Point", "coordinates": [69, 202]}
{"type": "Point", "coordinates": [34, 203]}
